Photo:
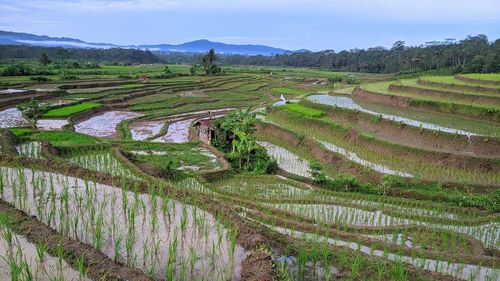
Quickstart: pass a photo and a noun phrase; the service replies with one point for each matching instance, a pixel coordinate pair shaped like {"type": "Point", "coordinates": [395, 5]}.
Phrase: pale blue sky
{"type": "Point", "coordinates": [290, 24]}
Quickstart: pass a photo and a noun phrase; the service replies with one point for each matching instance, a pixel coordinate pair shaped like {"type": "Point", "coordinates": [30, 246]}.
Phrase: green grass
{"type": "Point", "coordinates": [413, 83]}
{"type": "Point", "coordinates": [453, 80]}
{"type": "Point", "coordinates": [304, 111]}
{"type": "Point", "coordinates": [381, 152]}
{"type": "Point", "coordinates": [484, 76]}
{"type": "Point", "coordinates": [6, 220]}
{"type": "Point", "coordinates": [67, 111]}
{"type": "Point", "coordinates": [441, 119]}
{"type": "Point", "coordinates": [21, 132]}
{"type": "Point", "coordinates": [446, 105]}
{"type": "Point", "coordinates": [288, 91]}
{"type": "Point", "coordinates": [63, 138]}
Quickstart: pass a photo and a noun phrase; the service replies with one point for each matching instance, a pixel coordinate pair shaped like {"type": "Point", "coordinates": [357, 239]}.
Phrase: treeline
{"type": "Point", "coordinates": [8, 52]}
{"type": "Point", "coordinates": [473, 54]}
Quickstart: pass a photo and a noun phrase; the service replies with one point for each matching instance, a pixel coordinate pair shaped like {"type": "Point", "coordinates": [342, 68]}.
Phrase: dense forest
{"type": "Point", "coordinates": [60, 54]}
{"type": "Point", "coordinates": [472, 54]}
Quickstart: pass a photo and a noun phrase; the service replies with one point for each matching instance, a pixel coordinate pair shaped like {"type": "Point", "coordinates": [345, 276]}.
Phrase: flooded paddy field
{"type": "Point", "coordinates": [150, 232]}
{"type": "Point", "coordinates": [24, 260]}
{"type": "Point", "coordinates": [104, 125]}
{"type": "Point", "coordinates": [127, 179]}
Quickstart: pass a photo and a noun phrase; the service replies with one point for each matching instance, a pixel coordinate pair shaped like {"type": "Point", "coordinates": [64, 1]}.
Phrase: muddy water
{"type": "Point", "coordinates": [102, 161]}
{"type": "Point", "coordinates": [398, 239]}
{"type": "Point", "coordinates": [457, 270]}
{"type": "Point", "coordinates": [51, 124]}
{"type": "Point", "coordinates": [11, 118]}
{"type": "Point", "coordinates": [353, 157]}
{"type": "Point", "coordinates": [153, 233]}
{"type": "Point", "coordinates": [142, 130]}
{"type": "Point", "coordinates": [12, 91]}
{"type": "Point", "coordinates": [347, 102]}
{"type": "Point", "coordinates": [287, 160]}
{"type": "Point", "coordinates": [213, 111]}
{"type": "Point", "coordinates": [177, 132]}
{"type": "Point", "coordinates": [488, 234]}
{"type": "Point", "coordinates": [44, 268]}
{"type": "Point", "coordinates": [104, 125]}
{"type": "Point", "coordinates": [267, 190]}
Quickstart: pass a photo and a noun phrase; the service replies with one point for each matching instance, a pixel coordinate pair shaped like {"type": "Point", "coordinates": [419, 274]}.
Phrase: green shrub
{"type": "Point", "coordinates": [315, 169]}
{"type": "Point", "coordinates": [352, 80]}
{"type": "Point", "coordinates": [69, 77]}
{"type": "Point", "coordinates": [17, 69]}
{"type": "Point", "coordinates": [393, 181]}
{"type": "Point", "coordinates": [39, 79]}
{"type": "Point", "coordinates": [336, 79]}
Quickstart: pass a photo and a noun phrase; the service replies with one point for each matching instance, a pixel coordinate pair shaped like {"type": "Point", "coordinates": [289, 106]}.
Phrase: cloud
{"type": "Point", "coordinates": [429, 10]}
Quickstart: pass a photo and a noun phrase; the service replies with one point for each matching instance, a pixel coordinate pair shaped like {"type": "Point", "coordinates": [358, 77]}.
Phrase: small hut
{"type": "Point", "coordinates": [204, 130]}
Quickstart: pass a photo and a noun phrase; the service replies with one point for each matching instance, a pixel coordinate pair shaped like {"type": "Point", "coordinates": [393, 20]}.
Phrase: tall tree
{"type": "Point", "coordinates": [207, 61]}
{"type": "Point", "coordinates": [32, 111]}
{"type": "Point", "coordinates": [44, 58]}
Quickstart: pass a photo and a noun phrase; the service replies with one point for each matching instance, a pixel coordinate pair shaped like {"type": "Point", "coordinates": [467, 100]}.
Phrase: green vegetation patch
{"type": "Point", "coordinates": [171, 156]}
{"type": "Point", "coordinates": [483, 76]}
{"type": "Point", "coordinates": [21, 132]}
{"type": "Point", "coordinates": [67, 111]}
{"type": "Point", "coordinates": [288, 91]}
{"type": "Point", "coordinates": [64, 138]}
{"type": "Point", "coordinates": [304, 111]}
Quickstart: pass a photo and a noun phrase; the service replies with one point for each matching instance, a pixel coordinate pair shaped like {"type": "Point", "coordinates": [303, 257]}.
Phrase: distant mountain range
{"type": "Point", "coordinates": [198, 46]}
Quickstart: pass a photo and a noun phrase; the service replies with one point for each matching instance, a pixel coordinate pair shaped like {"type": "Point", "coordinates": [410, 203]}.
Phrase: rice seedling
{"type": "Point", "coordinates": [140, 237]}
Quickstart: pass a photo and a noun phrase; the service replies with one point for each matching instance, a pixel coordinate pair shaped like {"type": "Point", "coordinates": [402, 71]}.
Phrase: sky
{"type": "Point", "coordinates": [290, 24]}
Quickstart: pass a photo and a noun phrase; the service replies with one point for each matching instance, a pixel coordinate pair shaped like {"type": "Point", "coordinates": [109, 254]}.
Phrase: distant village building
{"type": "Point", "coordinates": [204, 130]}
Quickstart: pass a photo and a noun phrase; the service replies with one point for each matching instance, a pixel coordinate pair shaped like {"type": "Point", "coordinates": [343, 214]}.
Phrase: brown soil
{"type": "Point", "coordinates": [424, 106]}
{"type": "Point", "coordinates": [345, 166]}
{"type": "Point", "coordinates": [372, 97]}
{"type": "Point", "coordinates": [8, 143]}
{"type": "Point", "coordinates": [8, 100]}
{"type": "Point", "coordinates": [257, 266]}
{"type": "Point", "coordinates": [457, 148]}
{"type": "Point", "coordinates": [99, 265]}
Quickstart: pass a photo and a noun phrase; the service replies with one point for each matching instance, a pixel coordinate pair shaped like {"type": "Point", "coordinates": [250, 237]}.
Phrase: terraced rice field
{"type": "Point", "coordinates": [373, 182]}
